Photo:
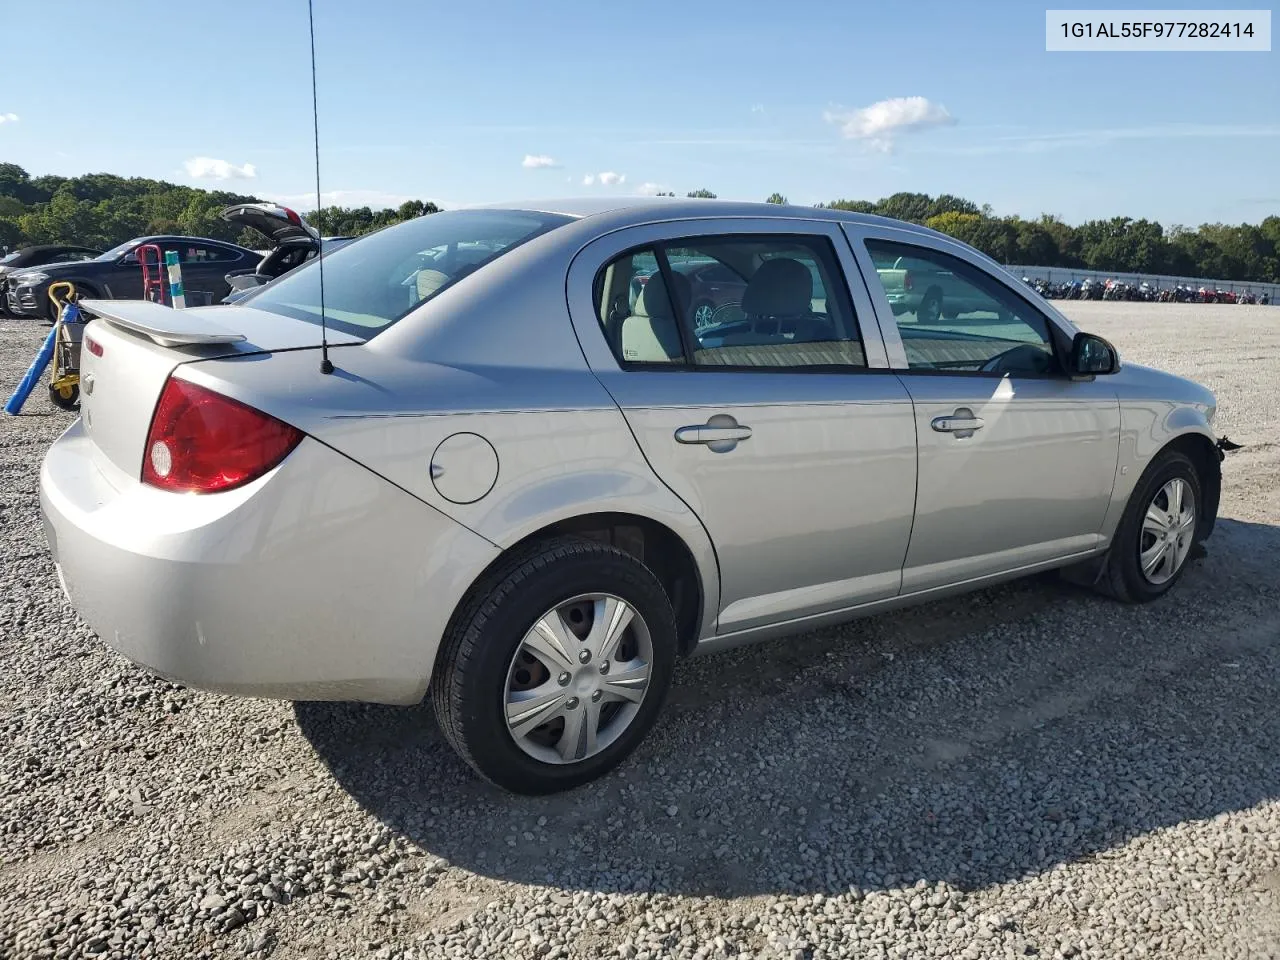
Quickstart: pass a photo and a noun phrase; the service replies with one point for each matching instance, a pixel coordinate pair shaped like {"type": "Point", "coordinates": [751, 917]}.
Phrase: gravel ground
{"type": "Point", "coordinates": [1025, 771]}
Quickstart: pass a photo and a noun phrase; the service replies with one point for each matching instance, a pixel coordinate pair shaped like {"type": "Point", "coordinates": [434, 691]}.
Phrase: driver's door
{"type": "Point", "coordinates": [1016, 460]}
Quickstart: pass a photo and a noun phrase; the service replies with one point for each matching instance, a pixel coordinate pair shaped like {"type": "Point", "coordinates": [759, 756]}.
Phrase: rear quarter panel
{"type": "Point", "coordinates": [494, 355]}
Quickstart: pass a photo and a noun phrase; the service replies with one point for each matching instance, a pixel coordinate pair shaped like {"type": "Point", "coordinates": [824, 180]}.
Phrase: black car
{"type": "Point", "coordinates": [38, 256]}
{"type": "Point", "coordinates": [117, 274]}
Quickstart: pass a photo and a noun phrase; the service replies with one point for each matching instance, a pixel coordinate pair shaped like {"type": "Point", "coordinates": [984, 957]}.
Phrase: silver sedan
{"type": "Point", "coordinates": [526, 482]}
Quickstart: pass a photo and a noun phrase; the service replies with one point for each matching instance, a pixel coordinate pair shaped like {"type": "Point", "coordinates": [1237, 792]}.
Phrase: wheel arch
{"type": "Point", "coordinates": [1202, 451]}
{"type": "Point", "coordinates": [652, 542]}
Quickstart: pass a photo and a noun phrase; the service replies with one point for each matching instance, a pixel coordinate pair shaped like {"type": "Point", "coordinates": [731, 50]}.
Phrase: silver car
{"type": "Point", "coordinates": [527, 491]}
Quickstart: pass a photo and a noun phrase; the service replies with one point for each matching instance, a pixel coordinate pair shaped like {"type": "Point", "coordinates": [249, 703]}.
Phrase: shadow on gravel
{"type": "Point", "coordinates": [973, 741]}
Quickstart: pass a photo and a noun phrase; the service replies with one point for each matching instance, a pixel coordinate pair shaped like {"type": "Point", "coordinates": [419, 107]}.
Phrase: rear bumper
{"type": "Point", "coordinates": [319, 581]}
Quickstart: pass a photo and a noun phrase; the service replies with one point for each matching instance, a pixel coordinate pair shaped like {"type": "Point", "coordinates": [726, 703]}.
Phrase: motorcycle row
{"type": "Point", "coordinates": [1092, 289]}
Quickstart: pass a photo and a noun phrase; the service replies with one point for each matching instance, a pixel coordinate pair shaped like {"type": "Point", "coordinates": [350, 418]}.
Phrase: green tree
{"type": "Point", "coordinates": [853, 206]}
{"type": "Point", "coordinates": [702, 193]}
{"type": "Point", "coordinates": [776, 198]}
{"type": "Point", "coordinates": [914, 207]}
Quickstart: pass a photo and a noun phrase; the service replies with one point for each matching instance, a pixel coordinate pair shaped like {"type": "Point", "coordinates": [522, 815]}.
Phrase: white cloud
{"type": "Point", "coordinates": [881, 122]}
{"type": "Point", "coordinates": [589, 179]}
{"type": "Point", "coordinates": [651, 189]}
{"type": "Point", "coordinates": [611, 179]}
{"type": "Point", "coordinates": [8, 118]}
{"type": "Point", "coordinates": [537, 161]}
{"type": "Point", "coordinates": [207, 168]}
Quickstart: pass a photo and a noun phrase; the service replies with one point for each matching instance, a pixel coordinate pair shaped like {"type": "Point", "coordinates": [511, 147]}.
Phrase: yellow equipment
{"type": "Point", "coordinates": [64, 379]}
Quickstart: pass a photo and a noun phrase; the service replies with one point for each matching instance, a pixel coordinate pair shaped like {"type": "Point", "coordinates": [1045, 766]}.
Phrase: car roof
{"type": "Point", "coordinates": [182, 238]}
{"type": "Point", "coordinates": [636, 210]}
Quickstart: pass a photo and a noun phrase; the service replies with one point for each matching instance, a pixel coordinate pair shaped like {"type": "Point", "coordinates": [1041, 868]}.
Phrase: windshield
{"type": "Point", "coordinates": [370, 285]}
{"type": "Point", "coordinates": [9, 258]}
{"type": "Point", "coordinates": [119, 251]}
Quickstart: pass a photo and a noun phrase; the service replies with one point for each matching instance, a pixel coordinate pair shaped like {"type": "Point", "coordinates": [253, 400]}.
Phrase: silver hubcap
{"type": "Point", "coordinates": [1168, 529]}
{"type": "Point", "coordinates": [578, 678]}
{"type": "Point", "coordinates": [702, 316]}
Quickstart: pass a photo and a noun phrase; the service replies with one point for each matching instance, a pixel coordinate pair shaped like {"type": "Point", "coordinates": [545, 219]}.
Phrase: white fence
{"type": "Point", "coordinates": [1069, 274]}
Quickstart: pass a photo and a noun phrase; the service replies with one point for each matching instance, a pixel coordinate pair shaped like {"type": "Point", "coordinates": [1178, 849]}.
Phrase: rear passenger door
{"type": "Point", "coordinates": [780, 426]}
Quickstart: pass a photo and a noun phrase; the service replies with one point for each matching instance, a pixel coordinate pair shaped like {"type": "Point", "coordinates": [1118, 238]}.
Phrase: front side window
{"type": "Point", "coordinates": [372, 284]}
{"type": "Point", "coordinates": [954, 319]}
{"type": "Point", "coordinates": [750, 302]}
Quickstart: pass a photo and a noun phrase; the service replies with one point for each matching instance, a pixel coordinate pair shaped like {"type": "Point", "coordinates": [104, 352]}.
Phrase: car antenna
{"type": "Point", "coordinates": [325, 365]}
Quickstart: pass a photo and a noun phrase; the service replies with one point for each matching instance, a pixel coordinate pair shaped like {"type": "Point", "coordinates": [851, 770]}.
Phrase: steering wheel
{"type": "Point", "coordinates": [1026, 358]}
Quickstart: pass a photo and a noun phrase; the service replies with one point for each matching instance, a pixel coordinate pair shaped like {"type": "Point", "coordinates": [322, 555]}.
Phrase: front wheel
{"type": "Point", "coordinates": [557, 666]}
{"type": "Point", "coordinates": [1156, 533]}
{"type": "Point", "coordinates": [703, 314]}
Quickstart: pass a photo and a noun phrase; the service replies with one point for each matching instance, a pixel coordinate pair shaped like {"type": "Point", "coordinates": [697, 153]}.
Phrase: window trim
{"type": "Point", "coordinates": [687, 363]}
{"type": "Point", "coordinates": [859, 237]}
{"type": "Point", "coordinates": [598, 248]}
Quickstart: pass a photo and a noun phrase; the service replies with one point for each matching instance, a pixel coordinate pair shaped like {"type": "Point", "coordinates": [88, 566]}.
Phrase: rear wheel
{"type": "Point", "coordinates": [557, 667]}
{"type": "Point", "coordinates": [1156, 533]}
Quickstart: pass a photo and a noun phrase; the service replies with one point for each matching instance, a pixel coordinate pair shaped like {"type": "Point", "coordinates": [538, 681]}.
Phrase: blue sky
{"type": "Point", "coordinates": [817, 100]}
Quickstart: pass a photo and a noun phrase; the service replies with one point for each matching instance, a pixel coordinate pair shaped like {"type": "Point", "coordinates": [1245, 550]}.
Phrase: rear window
{"type": "Point", "coordinates": [370, 285]}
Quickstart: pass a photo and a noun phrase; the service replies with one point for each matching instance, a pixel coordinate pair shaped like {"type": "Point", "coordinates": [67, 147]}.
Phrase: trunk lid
{"type": "Point", "coordinates": [134, 345]}
{"type": "Point", "coordinates": [274, 221]}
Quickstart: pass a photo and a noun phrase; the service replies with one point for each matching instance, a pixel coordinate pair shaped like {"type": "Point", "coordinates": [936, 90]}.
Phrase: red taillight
{"type": "Point", "coordinates": [908, 281]}
{"type": "Point", "coordinates": [202, 442]}
{"type": "Point", "coordinates": [94, 346]}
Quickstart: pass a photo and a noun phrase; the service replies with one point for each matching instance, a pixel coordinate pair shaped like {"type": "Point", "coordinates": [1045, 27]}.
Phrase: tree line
{"type": "Point", "coordinates": [1244, 252]}
{"type": "Point", "coordinates": [102, 210]}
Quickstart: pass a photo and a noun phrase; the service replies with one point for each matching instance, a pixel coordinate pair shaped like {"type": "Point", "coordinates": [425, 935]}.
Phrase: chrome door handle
{"type": "Point", "coordinates": [957, 424]}
{"type": "Point", "coordinates": [962, 423]}
{"type": "Point", "coordinates": [721, 433]}
{"type": "Point", "coordinates": [705, 434]}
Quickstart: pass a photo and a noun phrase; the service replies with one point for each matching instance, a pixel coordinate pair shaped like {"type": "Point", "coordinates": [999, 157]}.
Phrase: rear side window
{"type": "Point", "coordinates": [370, 285]}
{"type": "Point", "coordinates": [199, 253]}
{"type": "Point", "coordinates": [739, 302]}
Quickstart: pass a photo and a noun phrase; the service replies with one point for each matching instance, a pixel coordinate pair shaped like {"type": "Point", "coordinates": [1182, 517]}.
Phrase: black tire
{"type": "Point", "coordinates": [930, 310]}
{"type": "Point", "coordinates": [1122, 577]}
{"type": "Point", "coordinates": [68, 398]}
{"type": "Point", "coordinates": [469, 682]}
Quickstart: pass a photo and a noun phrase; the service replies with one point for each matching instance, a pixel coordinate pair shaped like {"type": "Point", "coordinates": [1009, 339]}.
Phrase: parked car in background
{"type": "Point", "coordinates": [293, 242]}
{"type": "Point", "coordinates": [526, 496]}
{"type": "Point", "coordinates": [923, 290]}
{"type": "Point", "coordinates": [117, 274]}
{"type": "Point", "coordinates": [28, 258]}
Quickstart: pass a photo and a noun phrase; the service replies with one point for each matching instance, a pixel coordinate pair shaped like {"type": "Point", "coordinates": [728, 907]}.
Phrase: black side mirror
{"type": "Point", "coordinates": [1092, 356]}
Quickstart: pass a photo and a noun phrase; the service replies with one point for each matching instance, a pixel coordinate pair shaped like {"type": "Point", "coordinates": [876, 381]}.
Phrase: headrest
{"type": "Point", "coordinates": [780, 288]}
{"type": "Point", "coordinates": [654, 302]}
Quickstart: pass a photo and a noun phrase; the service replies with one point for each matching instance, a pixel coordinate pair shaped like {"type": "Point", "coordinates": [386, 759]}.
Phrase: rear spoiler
{"type": "Point", "coordinates": [165, 325]}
